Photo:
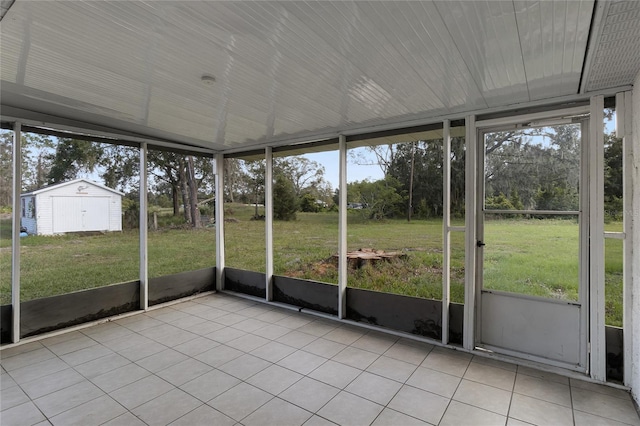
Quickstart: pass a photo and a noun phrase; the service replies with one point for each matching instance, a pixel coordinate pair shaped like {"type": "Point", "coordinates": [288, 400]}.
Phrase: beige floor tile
{"type": "Point", "coordinates": [375, 342]}
{"type": "Point", "coordinates": [344, 335]}
{"type": "Point", "coordinates": [21, 348]}
{"type": "Point", "coordinates": [598, 388]}
{"type": "Point", "coordinates": [495, 363]}
{"type": "Point", "coordinates": [586, 419]}
{"type": "Point", "coordinates": [325, 348]}
{"type": "Point", "coordinates": [219, 355]}
{"type": "Point", "coordinates": [244, 366]}
{"type": "Point", "coordinates": [205, 327]}
{"type": "Point", "coordinates": [229, 319]}
{"type": "Point", "coordinates": [204, 415]}
{"type": "Point", "coordinates": [296, 339]}
{"type": "Point", "coordinates": [302, 362]}
{"type": "Point", "coordinates": [86, 355]}
{"type": "Point", "coordinates": [318, 421]}
{"type": "Point", "coordinates": [515, 422]}
{"type": "Point", "coordinates": [210, 385]}
{"type": "Point", "coordinates": [335, 374]}
{"type": "Point", "coordinates": [348, 409]}
{"type": "Point", "coordinates": [318, 328]}
{"type": "Point", "coordinates": [448, 362]}
{"type": "Point", "coordinates": [143, 349]}
{"type": "Point", "coordinates": [28, 358]}
{"type": "Point", "coordinates": [392, 368]}
{"type": "Point", "coordinates": [51, 383]}
{"type": "Point", "coordinates": [23, 414]}
{"type": "Point", "coordinates": [94, 412]}
{"type": "Point", "coordinates": [184, 371]}
{"type": "Point", "coordinates": [491, 376]}
{"type": "Point", "coordinates": [539, 412]}
{"type": "Point", "coordinates": [196, 346]}
{"type": "Point", "coordinates": [141, 391]}
{"type": "Point", "coordinates": [126, 419]}
{"type": "Point", "coordinates": [120, 377]}
{"type": "Point", "coordinates": [240, 401]}
{"type": "Point", "coordinates": [248, 342]}
{"type": "Point", "coordinates": [355, 357]}
{"type": "Point", "coordinates": [407, 353]}
{"type": "Point", "coordinates": [543, 389]}
{"type": "Point", "coordinates": [420, 404]}
{"type": "Point", "coordinates": [273, 351]}
{"type": "Point", "coordinates": [390, 417]}
{"type": "Point", "coordinates": [293, 321]}
{"type": "Point", "coordinates": [225, 335]}
{"type": "Point", "coordinates": [101, 365]}
{"type": "Point", "coordinates": [610, 407]}
{"type": "Point", "coordinates": [67, 398]}
{"type": "Point", "coordinates": [11, 397]}
{"type": "Point", "coordinates": [277, 412]}
{"type": "Point", "coordinates": [374, 388]}
{"type": "Point", "coordinates": [309, 394]}
{"type": "Point", "coordinates": [460, 414]}
{"type": "Point", "coordinates": [483, 396]}
{"type": "Point", "coordinates": [162, 360]}
{"type": "Point", "coordinates": [272, 331]}
{"type": "Point", "coordinates": [545, 375]}
{"type": "Point", "coordinates": [274, 379]}
{"type": "Point", "coordinates": [38, 370]}
{"type": "Point", "coordinates": [434, 381]}
{"type": "Point", "coordinates": [167, 407]}
{"type": "Point", "coordinates": [79, 342]}
{"type": "Point", "coordinates": [249, 325]}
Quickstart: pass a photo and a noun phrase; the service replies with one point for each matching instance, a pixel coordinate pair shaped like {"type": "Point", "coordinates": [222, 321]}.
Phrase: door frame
{"type": "Point", "coordinates": [485, 126]}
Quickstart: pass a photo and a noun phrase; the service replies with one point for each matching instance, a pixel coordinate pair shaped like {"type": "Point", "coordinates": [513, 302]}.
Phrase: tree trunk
{"type": "Point", "coordinates": [184, 190]}
{"type": "Point", "coordinates": [175, 190]}
{"type": "Point", "coordinates": [413, 156]}
{"type": "Point", "coordinates": [193, 194]}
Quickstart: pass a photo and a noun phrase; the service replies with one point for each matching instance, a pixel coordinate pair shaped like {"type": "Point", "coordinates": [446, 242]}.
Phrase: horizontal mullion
{"type": "Point", "coordinates": [548, 212]}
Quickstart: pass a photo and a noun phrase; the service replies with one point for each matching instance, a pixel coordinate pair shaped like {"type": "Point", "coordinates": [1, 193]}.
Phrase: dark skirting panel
{"type": "Point", "coordinates": [615, 353]}
{"type": "Point", "coordinates": [321, 297]}
{"type": "Point", "coordinates": [55, 312]}
{"type": "Point", "coordinates": [403, 313]}
{"type": "Point", "coordinates": [456, 323]}
{"type": "Point", "coordinates": [6, 323]}
{"type": "Point", "coordinates": [176, 286]}
{"type": "Point", "coordinates": [247, 282]}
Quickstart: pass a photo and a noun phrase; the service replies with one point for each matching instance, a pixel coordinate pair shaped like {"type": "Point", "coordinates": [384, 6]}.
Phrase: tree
{"type": "Point", "coordinates": [71, 157]}
{"type": "Point", "coordinates": [381, 199]}
{"type": "Point", "coordinates": [613, 177]}
{"type": "Point", "coordinates": [285, 202]}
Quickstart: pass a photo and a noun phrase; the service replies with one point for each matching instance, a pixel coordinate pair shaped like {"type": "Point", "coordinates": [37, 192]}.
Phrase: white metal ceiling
{"type": "Point", "coordinates": [284, 69]}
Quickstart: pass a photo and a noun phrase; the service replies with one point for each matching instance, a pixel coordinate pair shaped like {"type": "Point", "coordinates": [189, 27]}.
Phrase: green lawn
{"type": "Point", "coordinates": [537, 257]}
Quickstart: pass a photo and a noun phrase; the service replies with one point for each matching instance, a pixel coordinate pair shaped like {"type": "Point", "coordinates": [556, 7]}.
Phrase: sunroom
{"type": "Point", "coordinates": [456, 175]}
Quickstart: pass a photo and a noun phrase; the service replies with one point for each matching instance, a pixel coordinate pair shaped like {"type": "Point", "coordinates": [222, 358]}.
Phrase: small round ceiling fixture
{"type": "Point", "coordinates": [208, 79]}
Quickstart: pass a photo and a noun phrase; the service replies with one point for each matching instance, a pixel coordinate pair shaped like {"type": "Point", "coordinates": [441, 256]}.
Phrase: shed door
{"type": "Point", "coordinates": [76, 214]}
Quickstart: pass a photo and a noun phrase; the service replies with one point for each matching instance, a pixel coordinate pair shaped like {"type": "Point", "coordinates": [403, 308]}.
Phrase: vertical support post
{"type": "Point", "coordinates": [471, 178]}
{"type": "Point", "coordinates": [342, 229]}
{"type": "Point", "coordinates": [15, 232]}
{"type": "Point", "coordinates": [144, 215]}
{"type": "Point", "coordinates": [623, 130]}
{"type": "Point", "coordinates": [598, 359]}
{"type": "Point", "coordinates": [219, 221]}
{"type": "Point", "coordinates": [268, 199]}
{"type": "Point", "coordinates": [446, 229]}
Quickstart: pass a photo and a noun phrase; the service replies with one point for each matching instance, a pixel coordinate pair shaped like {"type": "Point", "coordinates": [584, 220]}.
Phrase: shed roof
{"type": "Point", "coordinates": [238, 75]}
{"type": "Point", "coordinates": [71, 182]}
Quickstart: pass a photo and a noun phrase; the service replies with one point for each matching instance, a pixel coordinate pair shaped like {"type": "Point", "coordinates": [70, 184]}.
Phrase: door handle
{"type": "Point", "coordinates": [480, 244]}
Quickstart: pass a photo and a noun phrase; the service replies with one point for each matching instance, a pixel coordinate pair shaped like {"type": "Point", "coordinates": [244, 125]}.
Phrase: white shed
{"type": "Point", "coordinates": [75, 206]}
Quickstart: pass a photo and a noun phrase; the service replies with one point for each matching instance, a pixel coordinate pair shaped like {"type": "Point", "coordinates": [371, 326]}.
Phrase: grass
{"type": "Point", "coordinates": [536, 257]}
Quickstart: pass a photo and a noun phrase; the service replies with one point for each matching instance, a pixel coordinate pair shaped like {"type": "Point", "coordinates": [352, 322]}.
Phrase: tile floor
{"type": "Point", "coordinates": [222, 360]}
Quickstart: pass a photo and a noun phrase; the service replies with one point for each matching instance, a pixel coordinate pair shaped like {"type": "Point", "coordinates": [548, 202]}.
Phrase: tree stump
{"type": "Point", "coordinates": [367, 256]}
